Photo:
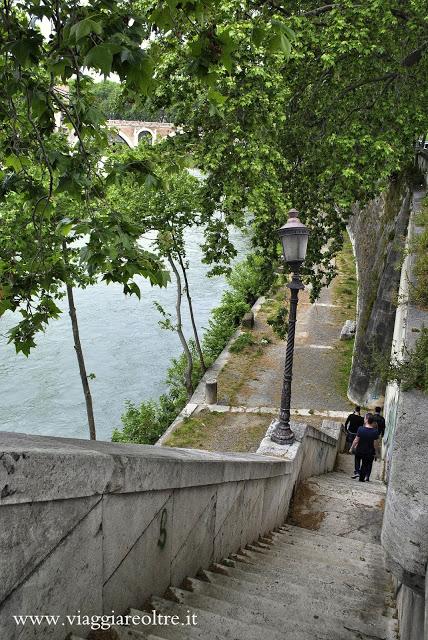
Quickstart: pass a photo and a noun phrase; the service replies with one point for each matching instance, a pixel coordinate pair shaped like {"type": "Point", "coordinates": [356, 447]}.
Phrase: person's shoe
{"type": "Point", "coordinates": [356, 475]}
{"type": "Point", "coordinates": [367, 479]}
{"type": "Point", "coordinates": [362, 480]}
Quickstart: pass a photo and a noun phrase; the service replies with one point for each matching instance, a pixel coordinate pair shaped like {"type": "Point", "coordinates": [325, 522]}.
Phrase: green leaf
{"type": "Point", "coordinates": [101, 57]}
{"type": "Point", "coordinates": [83, 28]}
{"type": "Point", "coordinates": [258, 35]}
{"type": "Point", "coordinates": [21, 51]}
{"type": "Point", "coordinates": [280, 42]}
{"type": "Point", "coordinates": [216, 97]}
{"type": "Point", "coordinates": [64, 227]}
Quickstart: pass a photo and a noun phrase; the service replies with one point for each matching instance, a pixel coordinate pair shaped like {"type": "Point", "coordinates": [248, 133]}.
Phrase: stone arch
{"type": "Point", "coordinates": [145, 135]}
{"type": "Point", "coordinates": [117, 139]}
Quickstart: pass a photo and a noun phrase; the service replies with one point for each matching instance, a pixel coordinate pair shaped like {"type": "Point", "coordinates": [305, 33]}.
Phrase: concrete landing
{"type": "Point", "coordinates": [339, 505]}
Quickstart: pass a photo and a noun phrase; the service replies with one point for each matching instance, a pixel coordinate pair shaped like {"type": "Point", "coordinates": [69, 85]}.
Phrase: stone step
{"type": "Point", "coordinates": [333, 553]}
{"type": "Point", "coordinates": [326, 516]}
{"type": "Point", "coordinates": [345, 464]}
{"type": "Point", "coordinates": [310, 534]}
{"type": "Point", "coordinates": [214, 626]}
{"type": "Point", "coordinates": [146, 632]}
{"type": "Point", "coordinates": [304, 576]}
{"type": "Point", "coordinates": [284, 607]}
{"type": "Point", "coordinates": [336, 545]}
{"type": "Point", "coordinates": [315, 565]}
{"type": "Point", "coordinates": [351, 598]}
{"type": "Point", "coordinates": [176, 632]}
{"type": "Point", "coordinates": [325, 556]}
{"type": "Point", "coordinates": [345, 492]}
{"type": "Point", "coordinates": [374, 486]}
{"type": "Point", "coordinates": [343, 480]}
{"type": "Point", "coordinates": [275, 617]}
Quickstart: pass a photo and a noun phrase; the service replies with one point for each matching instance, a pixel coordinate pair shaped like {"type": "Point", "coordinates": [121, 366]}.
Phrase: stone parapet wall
{"type": "Point", "coordinates": [405, 527]}
{"type": "Point", "coordinates": [96, 526]}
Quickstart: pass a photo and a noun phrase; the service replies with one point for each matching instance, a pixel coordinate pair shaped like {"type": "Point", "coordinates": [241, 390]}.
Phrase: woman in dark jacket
{"type": "Point", "coordinates": [364, 447]}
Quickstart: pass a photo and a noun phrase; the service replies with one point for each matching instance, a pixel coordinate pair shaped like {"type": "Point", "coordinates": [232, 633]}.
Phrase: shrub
{"type": "Point", "coordinates": [142, 425]}
{"type": "Point", "coordinates": [251, 278]}
{"type": "Point", "coordinates": [223, 322]}
{"type": "Point", "coordinates": [411, 372]}
{"type": "Point", "coordinates": [278, 321]}
{"type": "Point", "coordinates": [242, 341]}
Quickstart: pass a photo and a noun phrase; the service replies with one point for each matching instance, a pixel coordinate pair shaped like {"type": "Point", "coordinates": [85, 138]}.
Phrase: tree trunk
{"type": "Point", "coordinates": [192, 317]}
{"type": "Point", "coordinates": [81, 361]}
{"type": "Point", "coordinates": [187, 353]}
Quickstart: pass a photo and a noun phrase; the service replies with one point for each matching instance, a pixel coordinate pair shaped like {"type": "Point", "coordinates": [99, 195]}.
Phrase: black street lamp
{"type": "Point", "coordinates": [294, 237]}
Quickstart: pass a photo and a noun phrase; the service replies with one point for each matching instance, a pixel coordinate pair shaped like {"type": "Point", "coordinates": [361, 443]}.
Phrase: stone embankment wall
{"type": "Point", "coordinates": [378, 233]}
{"type": "Point", "coordinates": [95, 526]}
{"type": "Point", "coordinates": [405, 526]}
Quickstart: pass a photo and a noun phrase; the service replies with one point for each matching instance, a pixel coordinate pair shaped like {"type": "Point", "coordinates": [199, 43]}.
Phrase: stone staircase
{"type": "Point", "coordinates": [319, 577]}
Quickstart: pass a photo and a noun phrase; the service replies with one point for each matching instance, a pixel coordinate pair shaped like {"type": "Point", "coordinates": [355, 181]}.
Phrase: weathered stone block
{"type": "Point", "coordinates": [146, 569]}
{"type": "Point", "coordinates": [247, 321]}
{"type": "Point", "coordinates": [252, 508]}
{"type": "Point", "coordinates": [68, 580]}
{"type": "Point", "coordinates": [29, 532]}
{"type": "Point", "coordinates": [211, 391]}
{"type": "Point", "coordinates": [272, 497]}
{"type": "Point", "coordinates": [193, 524]}
{"type": "Point", "coordinates": [125, 519]}
{"type": "Point", "coordinates": [348, 330]}
{"type": "Point", "coordinates": [228, 525]}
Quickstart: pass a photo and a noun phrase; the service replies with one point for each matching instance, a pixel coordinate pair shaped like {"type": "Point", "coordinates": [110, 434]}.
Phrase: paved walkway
{"type": "Point", "coordinates": [250, 383]}
{"type": "Point", "coordinates": [315, 360]}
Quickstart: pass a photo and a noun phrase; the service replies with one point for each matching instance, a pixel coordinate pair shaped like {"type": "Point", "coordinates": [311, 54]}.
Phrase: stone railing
{"type": "Point", "coordinates": [95, 527]}
{"type": "Point", "coordinates": [405, 526]}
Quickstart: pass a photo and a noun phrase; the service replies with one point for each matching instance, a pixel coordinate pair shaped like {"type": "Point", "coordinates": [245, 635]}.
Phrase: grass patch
{"type": "Point", "coordinates": [241, 342]}
{"type": "Point", "coordinates": [193, 431]}
{"type": "Point", "coordinates": [218, 431]}
{"type": "Point", "coordinates": [236, 373]}
{"type": "Point", "coordinates": [342, 372]}
{"type": "Point", "coordinates": [345, 288]}
{"type": "Point", "coordinates": [250, 440]}
{"type": "Point", "coordinates": [419, 247]}
{"type": "Point", "coordinates": [345, 285]}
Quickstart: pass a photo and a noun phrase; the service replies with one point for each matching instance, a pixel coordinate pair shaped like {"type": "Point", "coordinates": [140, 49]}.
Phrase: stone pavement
{"type": "Point", "coordinates": [315, 359]}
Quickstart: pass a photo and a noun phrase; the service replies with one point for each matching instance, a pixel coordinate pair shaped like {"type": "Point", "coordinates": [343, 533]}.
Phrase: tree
{"type": "Point", "coordinates": [319, 129]}
{"type": "Point", "coordinates": [115, 104]}
{"type": "Point", "coordinates": [70, 252]}
{"type": "Point", "coordinates": [53, 144]}
{"type": "Point", "coordinates": [169, 211]}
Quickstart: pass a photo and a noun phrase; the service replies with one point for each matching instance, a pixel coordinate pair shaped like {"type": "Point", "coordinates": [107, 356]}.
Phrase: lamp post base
{"type": "Point", "coordinates": [281, 432]}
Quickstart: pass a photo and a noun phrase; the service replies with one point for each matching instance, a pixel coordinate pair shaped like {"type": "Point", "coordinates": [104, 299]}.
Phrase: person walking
{"type": "Point", "coordinates": [353, 422]}
{"type": "Point", "coordinates": [380, 421]}
{"type": "Point", "coordinates": [364, 446]}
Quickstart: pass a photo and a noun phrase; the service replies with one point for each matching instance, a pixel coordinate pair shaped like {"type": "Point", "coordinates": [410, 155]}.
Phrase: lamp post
{"type": "Point", "coordinates": [294, 238]}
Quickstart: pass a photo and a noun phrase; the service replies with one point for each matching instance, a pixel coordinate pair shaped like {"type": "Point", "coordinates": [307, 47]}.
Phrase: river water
{"type": "Point", "coordinates": [123, 345]}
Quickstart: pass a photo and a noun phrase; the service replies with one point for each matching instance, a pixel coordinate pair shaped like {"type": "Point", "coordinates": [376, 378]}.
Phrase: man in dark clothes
{"type": "Point", "coordinates": [380, 421]}
{"type": "Point", "coordinates": [353, 421]}
{"type": "Point", "coordinates": [364, 446]}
